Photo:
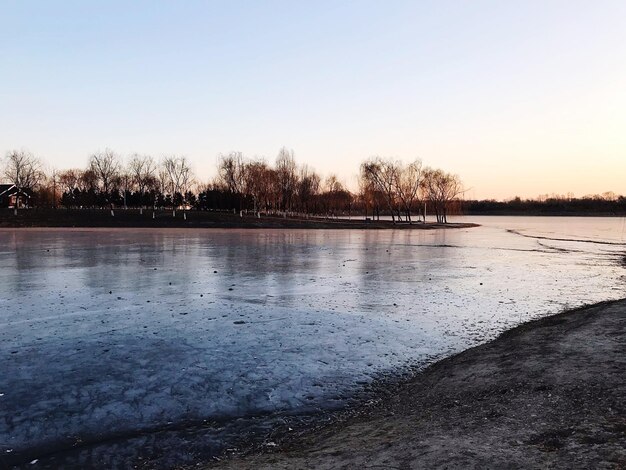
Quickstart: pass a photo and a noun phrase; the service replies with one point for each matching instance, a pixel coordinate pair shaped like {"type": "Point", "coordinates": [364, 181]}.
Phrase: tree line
{"type": "Point", "coordinates": [607, 204]}
{"type": "Point", "coordinates": [252, 185]}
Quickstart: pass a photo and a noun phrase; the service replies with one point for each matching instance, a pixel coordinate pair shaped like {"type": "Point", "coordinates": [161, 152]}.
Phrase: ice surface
{"type": "Point", "coordinates": [118, 335]}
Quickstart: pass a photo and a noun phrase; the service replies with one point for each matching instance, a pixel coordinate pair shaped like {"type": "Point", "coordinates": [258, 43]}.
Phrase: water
{"type": "Point", "coordinates": [128, 343]}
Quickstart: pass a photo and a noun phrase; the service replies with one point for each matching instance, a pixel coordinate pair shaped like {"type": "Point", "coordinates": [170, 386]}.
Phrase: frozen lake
{"type": "Point", "coordinates": [118, 344]}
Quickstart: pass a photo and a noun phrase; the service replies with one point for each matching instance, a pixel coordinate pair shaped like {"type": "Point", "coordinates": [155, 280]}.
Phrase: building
{"type": "Point", "coordinates": [10, 197]}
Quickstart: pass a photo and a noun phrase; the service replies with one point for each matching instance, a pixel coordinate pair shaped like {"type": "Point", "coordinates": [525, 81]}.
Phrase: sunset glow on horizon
{"type": "Point", "coordinates": [517, 98]}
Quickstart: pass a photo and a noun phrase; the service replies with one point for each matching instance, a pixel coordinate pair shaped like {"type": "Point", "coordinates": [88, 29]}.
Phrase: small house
{"type": "Point", "coordinates": [11, 197]}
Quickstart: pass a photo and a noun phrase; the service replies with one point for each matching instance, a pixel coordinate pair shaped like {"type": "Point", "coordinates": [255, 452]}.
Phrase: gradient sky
{"type": "Point", "coordinates": [518, 98]}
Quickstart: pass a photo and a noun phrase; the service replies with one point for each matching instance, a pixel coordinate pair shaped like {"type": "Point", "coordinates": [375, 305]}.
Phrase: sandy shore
{"type": "Point", "coordinates": [548, 394]}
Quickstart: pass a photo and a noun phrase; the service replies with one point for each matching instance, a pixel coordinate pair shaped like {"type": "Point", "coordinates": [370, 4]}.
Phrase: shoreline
{"type": "Point", "coordinates": [523, 399]}
{"type": "Point", "coordinates": [131, 218]}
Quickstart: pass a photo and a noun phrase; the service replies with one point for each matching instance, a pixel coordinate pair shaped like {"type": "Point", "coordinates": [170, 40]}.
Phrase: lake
{"type": "Point", "coordinates": [168, 344]}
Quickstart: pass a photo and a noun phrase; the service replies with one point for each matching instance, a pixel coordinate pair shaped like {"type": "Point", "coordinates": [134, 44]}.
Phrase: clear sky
{"type": "Point", "coordinates": [517, 97]}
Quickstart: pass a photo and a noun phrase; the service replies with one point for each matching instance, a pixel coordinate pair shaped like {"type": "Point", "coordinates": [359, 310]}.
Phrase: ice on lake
{"type": "Point", "coordinates": [121, 335]}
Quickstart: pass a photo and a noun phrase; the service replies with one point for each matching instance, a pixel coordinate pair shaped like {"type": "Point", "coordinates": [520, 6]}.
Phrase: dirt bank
{"type": "Point", "coordinates": [548, 394]}
{"type": "Point", "coordinates": [190, 219]}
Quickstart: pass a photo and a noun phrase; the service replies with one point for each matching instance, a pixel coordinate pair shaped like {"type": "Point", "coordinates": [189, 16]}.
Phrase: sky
{"type": "Point", "coordinates": [517, 98]}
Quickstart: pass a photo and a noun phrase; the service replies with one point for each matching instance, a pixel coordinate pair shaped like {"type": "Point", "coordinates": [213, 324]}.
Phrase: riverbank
{"type": "Point", "coordinates": [132, 218]}
{"type": "Point", "coordinates": [549, 393]}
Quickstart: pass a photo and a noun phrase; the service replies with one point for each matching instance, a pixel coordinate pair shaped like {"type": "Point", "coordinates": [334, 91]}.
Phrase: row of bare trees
{"type": "Point", "coordinates": [286, 188]}
{"type": "Point", "coordinates": [242, 184]}
{"type": "Point", "coordinates": [105, 182]}
{"type": "Point", "coordinates": [142, 182]}
{"type": "Point", "coordinates": [404, 189]}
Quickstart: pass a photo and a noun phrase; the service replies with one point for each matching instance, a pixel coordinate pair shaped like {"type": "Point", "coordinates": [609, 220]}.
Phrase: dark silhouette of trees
{"type": "Point", "coordinates": [46, 193]}
{"type": "Point", "coordinates": [370, 197]}
{"type": "Point", "coordinates": [106, 167]}
{"type": "Point", "coordinates": [178, 180]}
{"type": "Point", "coordinates": [553, 205]}
{"type": "Point", "coordinates": [286, 178]}
{"type": "Point", "coordinates": [307, 189]}
{"type": "Point", "coordinates": [336, 200]}
{"type": "Point", "coordinates": [23, 170]}
{"type": "Point", "coordinates": [142, 170]}
{"type": "Point", "coordinates": [258, 185]}
{"type": "Point", "coordinates": [381, 174]}
{"type": "Point", "coordinates": [232, 176]}
{"type": "Point", "coordinates": [69, 181]}
{"type": "Point", "coordinates": [231, 170]}
{"type": "Point", "coordinates": [386, 186]}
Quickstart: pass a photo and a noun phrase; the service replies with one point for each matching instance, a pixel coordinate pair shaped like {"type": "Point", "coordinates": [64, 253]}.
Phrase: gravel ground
{"type": "Point", "coordinates": [548, 394]}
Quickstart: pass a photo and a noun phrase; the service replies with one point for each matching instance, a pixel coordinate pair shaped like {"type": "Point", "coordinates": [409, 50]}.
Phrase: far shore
{"type": "Point", "coordinates": [547, 394]}
{"type": "Point", "coordinates": [132, 218]}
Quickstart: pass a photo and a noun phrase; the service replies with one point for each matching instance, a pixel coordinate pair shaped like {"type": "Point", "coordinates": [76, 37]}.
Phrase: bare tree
{"type": "Point", "coordinates": [142, 170]}
{"type": "Point", "coordinates": [332, 184]}
{"type": "Point", "coordinates": [407, 182]}
{"type": "Point", "coordinates": [335, 198]}
{"type": "Point", "coordinates": [255, 183]}
{"type": "Point", "coordinates": [179, 178]}
{"type": "Point", "coordinates": [125, 181]}
{"type": "Point", "coordinates": [69, 180]}
{"type": "Point", "coordinates": [231, 169]}
{"type": "Point", "coordinates": [88, 181]}
{"type": "Point", "coordinates": [287, 178]}
{"type": "Point", "coordinates": [441, 188]}
{"type": "Point", "coordinates": [382, 174]}
{"type": "Point", "coordinates": [366, 194]}
{"type": "Point", "coordinates": [163, 180]}
{"type": "Point", "coordinates": [23, 170]}
{"type": "Point", "coordinates": [106, 167]}
{"type": "Point", "coordinates": [47, 194]}
{"type": "Point", "coordinates": [307, 188]}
